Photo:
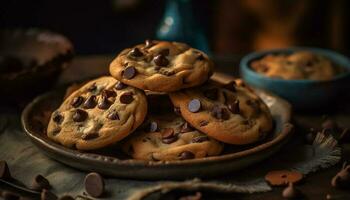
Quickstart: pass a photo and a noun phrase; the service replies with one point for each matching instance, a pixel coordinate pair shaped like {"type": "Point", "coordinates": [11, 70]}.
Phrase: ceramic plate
{"type": "Point", "coordinates": [36, 115]}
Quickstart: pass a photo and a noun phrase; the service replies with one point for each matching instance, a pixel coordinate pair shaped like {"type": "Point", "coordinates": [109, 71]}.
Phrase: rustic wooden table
{"type": "Point", "coordinates": [316, 186]}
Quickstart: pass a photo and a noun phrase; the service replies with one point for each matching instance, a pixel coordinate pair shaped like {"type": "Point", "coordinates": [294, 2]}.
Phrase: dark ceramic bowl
{"type": "Point", "coordinates": [111, 162]}
{"type": "Point", "coordinates": [302, 94]}
{"type": "Point", "coordinates": [31, 61]}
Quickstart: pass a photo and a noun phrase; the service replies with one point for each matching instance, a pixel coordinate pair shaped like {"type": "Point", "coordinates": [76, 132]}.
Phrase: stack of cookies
{"type": "Point", "coordinates": [159, 104]}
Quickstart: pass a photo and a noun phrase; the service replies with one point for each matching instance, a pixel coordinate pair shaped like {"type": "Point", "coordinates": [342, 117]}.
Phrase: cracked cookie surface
{"type": "Point", "coordinates": [161, 66]}
{"type": "Point", "coordinates": [100, 113]}
{"type": "Point", "coordinates": [169, 137]}
{"type": "Point", "coordinates": [233, 115]}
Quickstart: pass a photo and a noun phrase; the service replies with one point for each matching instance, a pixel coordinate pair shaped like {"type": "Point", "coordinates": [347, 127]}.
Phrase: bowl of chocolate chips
{"type": "Point", "coordinates": [31, 61]}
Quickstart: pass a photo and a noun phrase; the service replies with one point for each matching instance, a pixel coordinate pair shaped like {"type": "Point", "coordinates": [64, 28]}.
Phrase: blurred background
{"type": "Point", "coordinates": [228, 27]}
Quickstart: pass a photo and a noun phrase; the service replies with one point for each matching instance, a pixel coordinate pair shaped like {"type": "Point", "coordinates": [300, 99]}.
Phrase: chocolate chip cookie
{"type": "Point", "coordinates": [232, 114]}
{"type": "Point", "coordinates": [298, 65]}
{"type": "Point", "coordinates": [161, 66]}
{"type": "Point", "coordinates": [169, 137]}
{"type": "Point", "coordinates": [100, 113]}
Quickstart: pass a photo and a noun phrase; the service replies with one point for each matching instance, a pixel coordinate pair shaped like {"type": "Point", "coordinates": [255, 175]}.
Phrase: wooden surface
{"type": "Point", "coordinates": [315, 187]}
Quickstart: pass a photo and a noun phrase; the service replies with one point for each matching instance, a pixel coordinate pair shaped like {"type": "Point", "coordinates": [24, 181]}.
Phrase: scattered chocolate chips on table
{"type": "Point", "coordinates": [94, 184]}
{"type": "Point", "coordinates": [290, 192]}
{"type": "Point", "coordinates": [39, 183]}
{"type": "Point", "coordinates": [47, 195]}
{"type": "Point", "coordinates": [342, 178]}
{"type": "Point", "coordinates": [4, 170]}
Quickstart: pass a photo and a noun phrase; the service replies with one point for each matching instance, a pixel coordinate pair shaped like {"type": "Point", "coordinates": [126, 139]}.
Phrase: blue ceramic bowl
{"type": "Point", "coordinates": [303, 94]}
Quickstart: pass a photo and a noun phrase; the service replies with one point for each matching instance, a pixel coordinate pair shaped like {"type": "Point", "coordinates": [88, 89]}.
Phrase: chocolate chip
{"type": "Point", "coordinates": [194, 105]}
{"type": "Point", "coordinates": [39, 183]}
{"type": "Point", "coordinates": [290, 192]}
{"type": "Point", "coordinates": [56, 131]}
{"type": "Point", "coordinates": [92, 87]}
{"type": "Point", "coordinates": [135, 52]}
{"type": "Point", "coordinates": [80, 115]}
{"type": "Point", "coordinates": [211, 93]}
{"type": "Point", "coordinates": [90, 136]}
{"type": "Point", "coordinates": [234, 107]}
{"type": "Point", "coordinates": [231, 86]}
{"type": "Point", "coordinates": [113, 115]}
{"type": "Point", "coordinates": [120, 86]}
{"type": "Point", "coordinates": [167, 133]}
{"type": "Point", "coordinates": [104, 103]}
{"type": "Point", "coordinates": [164, 52]}
{"type": "Point", "coordinates": [90, 102]}
{"type": "Point", "coordinates": [200, 139]}
{"type": "Point", "coordinates": [66, 197]}
{"type": "Point", "coordinates": [77, 101]}
{"type": "Point", "coordinates": [220, 113]}
{"type": "Point", "coordinates": [161, 60]}
{"type": "Point", "coordinates": [126, 98]}
{"type": "Point", "coordinates": [4, 170]}
{"type": "Point", "coordinates": [47, 195]}
{"type": "Point", "coordinates": [153, 126]}
{"type": "Point", "coordinates": [129, 72]}
{"type": "Point", "coordinates": [108, 93]}
{"type": "Point", "coordinates": [177, 110]}
{"type": "Point", "coordinates": [201, 57]}
{"type": "Point", "coordinates": [149, 43]}
{"type": "Point", "coordinates": [168, 136]}
{"type": "Point", "coordinates": [7, 195]}
{"type": "Point", "coordinates": [203, 123]}
{"type": "Point", "coordinates": [186, 127]}
{"type": "Point", "coordinates": [186, 155]}
{"type": "Point", "coordinates": [94, 184]}
{"type": "Point", "coordinates": [57, 117]}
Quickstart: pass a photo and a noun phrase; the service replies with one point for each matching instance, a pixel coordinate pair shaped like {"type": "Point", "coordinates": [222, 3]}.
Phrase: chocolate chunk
{"type": "Point", "coordinates": [201, 57]}
{"type": "Point", "coordinates": [120, 86]}
{"type": "Point", "coordinates": [4, 170]}
{"type": "Point", "coordinates": [7, 195]}
{"type": "Point", "coordinates": [90, 136]}
{"type": "Point", "coordinates": [203, 123]}
{"type": "Point", "coordinates": [126, 98]}
{"type": "Point", "coordinates": [108, 93]}
{"type": "Point", "coordinates": [77, 101]}
{"type": "Point", "coordinates": [211, 93]}
{"type": "Point", "coordinates": [113, 115]}
{"type": "Point", "coordinates": [149, 43]}
{"type": "Point", "coordinates": [194, 105]}
{"type": "Point", "coordinates": [186, 155]}
{"type": "Point", "coordinates": [90, 102]}
{"type": "Point", "coordinates": [92, 87]}
{"type": "Point", "coordinates": [231, 86]}
{"type": "Point", "coordinates": [161, 60]}
{"type": "Point", "coordinates": [57, 117]}
{"type": "Point", "coordinates": [164, 52]}
{"type": "Point", "coordinates": [220, 113]}
{"type": "Point", "coordinates": [94, 184]}
{"type": "Point", "coordinates": [66, 197]}
{"type": "Point", "coordinates": [135, 52]}
{"type": "Point", "coordinates": [290, 192]}
{"type": "Point", "coordinates": [177, 110]}
{"type": "Point", "coordinates": [153, 127]}
{"type": "Point", "coordinates": [129, 72]}
{"type": "Point", "coordinates": [39, 183]}
{"type": "Point", "coordinates": [186, 127]}
{"type": "Point", "coordinates": [168, 136]}
{"type": "Point", "coordinates": [47, 195]}
{"type": "Point", "coordinates": [234, 107]}
{"type": "Point", "coordinates": [200, 139]}
{"type": "Point", "coordinates": [80, 115]}
{"type": "Point", "coordinates": [342, 178]}
{"type": "Point", "coordinates": [104, 103]}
